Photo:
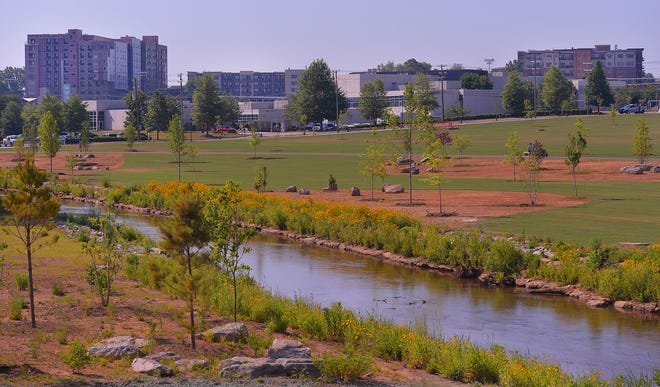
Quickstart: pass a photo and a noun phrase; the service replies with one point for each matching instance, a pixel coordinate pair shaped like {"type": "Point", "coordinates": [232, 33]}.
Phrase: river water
{"type": "Point", "coordinates": [554, 328]}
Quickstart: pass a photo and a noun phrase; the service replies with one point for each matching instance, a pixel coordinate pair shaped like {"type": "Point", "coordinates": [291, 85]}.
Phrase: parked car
{"type": "Point", "coordinates": [9, 140]}
{"type": "Point", "coordinates": [631, 108]}
{"type": "Point", "coordinates": [225, 130]}
{"type": "Point", "coordinates": [66, 138]}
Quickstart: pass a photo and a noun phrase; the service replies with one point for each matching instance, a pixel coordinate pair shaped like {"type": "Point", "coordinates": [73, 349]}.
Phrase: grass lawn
{"type": "Point", "coordinates": [618, 211]}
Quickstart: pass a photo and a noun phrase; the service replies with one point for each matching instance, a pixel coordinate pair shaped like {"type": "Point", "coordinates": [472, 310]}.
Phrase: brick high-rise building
{"type": "Point", "coordinates": [253, 83]}
{"type": "Point", "coordinates": [91, 66]}
{"type": "Point", "coordinates": [574, 62]}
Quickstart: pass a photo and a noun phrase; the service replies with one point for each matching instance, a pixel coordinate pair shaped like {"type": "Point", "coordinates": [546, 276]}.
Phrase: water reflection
{"type": "Point", "coordinates": [554, 328]}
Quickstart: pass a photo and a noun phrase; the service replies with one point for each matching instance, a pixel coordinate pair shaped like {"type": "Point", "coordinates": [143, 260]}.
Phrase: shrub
{"type": "Point", "coordinates": [345, 368]}
{"type": "Point", "coordinates": [16, 306]}
{"type": "Point", "coordinates": [58, 290]}
{"type": "Point", "coordinates": [504, 257]}
{"type": "Point", "coordinates": [21, 281]}
{"type": "Point", "coordinates": [61, 334]}
{"type": "Point", "coordinates": [77, 358]}
{"type": "Point", "coordinates": [335, 320]}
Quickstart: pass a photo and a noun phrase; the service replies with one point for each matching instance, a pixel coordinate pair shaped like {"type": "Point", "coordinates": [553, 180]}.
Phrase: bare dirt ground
{"type": "Point", "coordinates": [467, 207]}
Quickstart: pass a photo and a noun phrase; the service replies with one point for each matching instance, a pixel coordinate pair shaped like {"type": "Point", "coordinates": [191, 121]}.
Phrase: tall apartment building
{"type": "Point", "coordinates": [574, 62]}
{"type": "Point", "coordinates": [254, 84]}
{"type": "Point", "coordinates": [91, 66]}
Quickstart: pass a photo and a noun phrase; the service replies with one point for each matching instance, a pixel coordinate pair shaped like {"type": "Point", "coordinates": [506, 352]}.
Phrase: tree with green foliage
{"type": "Point", "coordinates": [292, 112]}
{"type": "Point", "coordinates": [514, 155]}
{"type": "Point", "coordinates": [176, 141]}
{"type": "Point", "coordinates": [457, 111]}
{"type": "Point", "coordinates": [434, 152]}
{"type": "Point", "coordinates": [529, 109]}
{"type": "Point", "coordinates": [373, 102]}
{"type": "Point", "coordinates": [30, 115]}
{"type": "Point", "coordinates": [425, 95]}
{"type": "Point", "coordinates": [129, 134]}
{"type": "Point", "coordinates": [206, 102]}
{"type": "Point", "coordinates": [261, 178]}
{"type": "Point", "coordinates": [373, 164]}
{"type": "Point", "coordinates": [556, 90]}
{"type": "Point", "coordinates": [105, 257]}
{"type": "Point", "coordinates": [31, 209]}
{"type": "Point", "coordinates": [461, 143]}
{"type": "Point", "coordinates": [75, 114]}
{"type": "Point", "coordinates": [230, 111]}
{"type": "Point", "coordinates": [513, 65]}
{"type": "Point", "coordinates": [474, 81]}
{"type": "Point", "coordinates": [12, 81]}
{"type": "Point", "coordinates": [11, 121]}
{"type": "Point", "coordinates": [229, 236]}
{"type": "Point", "coordinates": [136, 114]}
{"type": "Point", "coordinates": [160, 111]}
{"type": "Point", "coordinates": [409, 66]}
{"type": "Point", "coordinates": [418, 102]}
{"type": "Point", "coordinates": [85, 137]}
{"type": "Point", "coordinates": [514, 94]}
{"type": "Point", "coordinates": [77, 358]}
{"type": "Point", "coordinates": [185, 234]}
{"type": "Point", "coordinates": [577, 143]}
{"type": "Point", "coordinates": [318, 96]}
{"type": "Point", "coordinates": [50, 103]}
{"type": "Point", "coordinates": [71, 161]}
{"type": "Point", "coordinates": [531, 181]}
{"type": "Point", "coordinates": [254, 141]}
{"type": "Point", "coordinates": [597, 88]}
{"type": "Point", "coordinates": [642, 143]}
{"type": "Point", "coordinates": [49, 137]}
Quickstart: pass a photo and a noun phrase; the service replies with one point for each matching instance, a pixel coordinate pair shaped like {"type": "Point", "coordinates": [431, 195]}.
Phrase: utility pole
{"type": "Point", "coordinates": [489, 62]}
{"type": "Point", "coordinates": [181, 104]}
{"type": "Point", "coordinates": [442, 91]}
{"type": "Point", "coordinates": [336, 103]}
{"type": "Point", "coordinates": [137, 108]}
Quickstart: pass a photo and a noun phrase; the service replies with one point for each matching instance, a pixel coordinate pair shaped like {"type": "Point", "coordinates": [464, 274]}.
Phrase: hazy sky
{"type": "Point", "coordinates": [355, 35]}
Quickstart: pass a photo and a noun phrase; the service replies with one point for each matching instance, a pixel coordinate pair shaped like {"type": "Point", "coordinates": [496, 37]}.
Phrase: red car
{"type": "Point", "coordinates": [225, 130]}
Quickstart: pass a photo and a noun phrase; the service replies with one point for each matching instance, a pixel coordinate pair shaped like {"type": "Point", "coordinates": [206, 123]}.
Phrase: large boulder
{"type": "Point", "coordinates": [283, 348]}
{"type": "Point", "coordinates": [355, 191]}
{"type": "Point", "coordinates": [633, 170]}
{"type": "Point", "coordinates": [229, 332]}
{"type": "Point", "coordinates": [292, 188]}
{"type": "Point", "coordinates": [302, 191]}
{"type": "Point", "coordinates": [118, 347]}
{"type": "Point", "coordinates": [392, 188]}
{"type": "Point", "coordinates": [251, 368]}
{"type": "Point", "coordinates": [285, 358]}
{"type": "Point", "coordinates": [415, 170]}
{"type": "Point", "coordinates": [656, 169]}
{"type": "Point", "coordinates": [152, 367]}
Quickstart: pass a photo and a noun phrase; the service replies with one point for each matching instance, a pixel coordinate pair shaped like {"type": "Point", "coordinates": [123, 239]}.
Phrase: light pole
{"type": "Point", "coordinates": [587, 103]}
{"type": "Point", "coordinates": [336, 103]}
{"type": "Point", "coordinates": [136, 89]}
{"type": "Point", "coordinates": [442, 91]}
{"type": "Point", "coordinates": [489, 62]}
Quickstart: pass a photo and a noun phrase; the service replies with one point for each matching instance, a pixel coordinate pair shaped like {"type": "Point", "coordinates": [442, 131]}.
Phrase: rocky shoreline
{"type": "Point", "coordinates": [529, 285]}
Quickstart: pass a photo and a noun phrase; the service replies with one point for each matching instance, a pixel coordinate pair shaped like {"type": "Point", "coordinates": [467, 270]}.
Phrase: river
{"type": "Point", "coordinates": [555, 328]}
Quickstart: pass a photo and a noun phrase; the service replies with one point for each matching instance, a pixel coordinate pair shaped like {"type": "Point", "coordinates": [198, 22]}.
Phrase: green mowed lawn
{"type": "Point", "coordinates": [617, 212]}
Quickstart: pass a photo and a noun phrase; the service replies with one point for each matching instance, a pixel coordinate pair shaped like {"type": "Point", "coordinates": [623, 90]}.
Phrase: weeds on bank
{"type": "Point", "coordinates": [365, 338]}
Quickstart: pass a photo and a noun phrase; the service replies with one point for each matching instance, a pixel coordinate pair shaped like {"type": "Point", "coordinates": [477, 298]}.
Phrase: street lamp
{"type": "Point", "coordinates": [587, 103]}
{"type": "Point", "coordinates": [442, 91]}
{"type": "Point", "coordinates": [136, 89]}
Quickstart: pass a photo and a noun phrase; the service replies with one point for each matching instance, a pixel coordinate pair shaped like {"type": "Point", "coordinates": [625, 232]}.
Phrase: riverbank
{"type": "Point", "coordinates": [529, 285]}
{"type": "Point", "coordinates": [532, 285]}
